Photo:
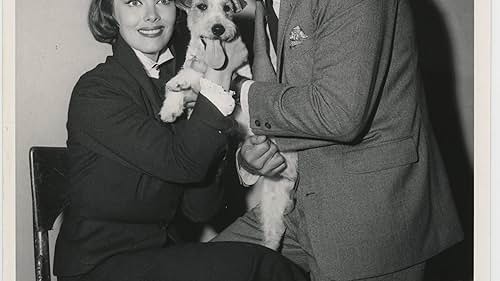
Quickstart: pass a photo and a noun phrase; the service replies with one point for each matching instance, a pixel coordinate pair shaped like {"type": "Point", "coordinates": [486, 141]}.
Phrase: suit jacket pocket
{"type": "Point", "coordinates": [381, 157]}
{"type": "Point", "coordinates": [298, 63]}
{"type": "Point", "coordinates": [303, 50]}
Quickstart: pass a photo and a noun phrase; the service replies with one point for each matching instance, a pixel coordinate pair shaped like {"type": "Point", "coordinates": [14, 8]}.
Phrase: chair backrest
{"type": "Point", "coordinates": [48, 168]}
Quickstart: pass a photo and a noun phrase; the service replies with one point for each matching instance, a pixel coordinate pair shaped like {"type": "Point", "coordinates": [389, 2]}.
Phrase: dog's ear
{"type": "Point", "coordinates": [239, 5]}
{"type": "Point", "coordinates": [184, 4]}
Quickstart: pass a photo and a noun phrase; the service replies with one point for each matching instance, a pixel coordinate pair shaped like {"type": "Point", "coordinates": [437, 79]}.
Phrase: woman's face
{"type": "Point", "coordinates": [146, 25]}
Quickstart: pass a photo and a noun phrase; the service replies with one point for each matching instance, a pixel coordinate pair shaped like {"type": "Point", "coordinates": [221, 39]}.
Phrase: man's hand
{"type": "Point", "coordinates": [260, 156]}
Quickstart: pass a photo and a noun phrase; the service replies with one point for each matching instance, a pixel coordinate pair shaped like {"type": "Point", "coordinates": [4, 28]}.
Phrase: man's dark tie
{"type": "Point", "coordinates": [262, 68]}
{"type": "Point", "coordinates": [272, 22]}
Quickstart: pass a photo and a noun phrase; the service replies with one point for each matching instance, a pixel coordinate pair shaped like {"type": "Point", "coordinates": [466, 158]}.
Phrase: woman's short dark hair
{"type": "Point", "coordinates": [101, 22]}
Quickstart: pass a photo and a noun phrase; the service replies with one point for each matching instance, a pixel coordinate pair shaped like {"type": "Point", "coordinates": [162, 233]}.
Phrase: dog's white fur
{"type": "Point", "coordinates": [276, 201]}
{"type": "Point", "coordinates": [200, 23]}
{"type": "Point", "coordinates": [275, 198]}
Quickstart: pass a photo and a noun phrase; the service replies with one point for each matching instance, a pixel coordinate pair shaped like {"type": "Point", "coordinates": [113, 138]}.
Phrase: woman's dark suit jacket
{"type": "Point", "coordinates": [129, 172]}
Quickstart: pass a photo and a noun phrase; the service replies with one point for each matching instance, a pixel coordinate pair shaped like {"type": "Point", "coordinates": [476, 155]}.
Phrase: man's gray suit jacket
{"type": "Point", "coordinates": [348, 97]}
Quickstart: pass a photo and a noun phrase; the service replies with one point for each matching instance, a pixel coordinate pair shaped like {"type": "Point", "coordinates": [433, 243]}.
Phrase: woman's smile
{"type": "Point", "coordinates": [151, 32]}
{"type": "Point", "coordinates": [146, 25]}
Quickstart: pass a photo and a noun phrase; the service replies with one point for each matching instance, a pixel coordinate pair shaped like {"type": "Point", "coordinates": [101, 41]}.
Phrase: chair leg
{"type": "Point", "coordinates": [42, 257]}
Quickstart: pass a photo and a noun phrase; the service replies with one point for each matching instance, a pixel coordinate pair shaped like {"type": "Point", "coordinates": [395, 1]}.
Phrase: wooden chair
{"type": "Point", "coordinates": [48, 168]}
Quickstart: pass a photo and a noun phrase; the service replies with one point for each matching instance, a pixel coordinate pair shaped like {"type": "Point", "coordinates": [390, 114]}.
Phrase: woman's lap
{"type": "Point", "coordinates": [217, 261]}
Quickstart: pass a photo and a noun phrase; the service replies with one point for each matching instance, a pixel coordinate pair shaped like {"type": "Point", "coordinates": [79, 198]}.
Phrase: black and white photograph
{"type": "Point", "coordinates": [228, 140]}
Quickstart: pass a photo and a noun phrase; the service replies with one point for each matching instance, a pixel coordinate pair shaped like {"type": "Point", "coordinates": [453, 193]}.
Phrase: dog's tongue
{"type": "Point", "coordinates": [215, 56]}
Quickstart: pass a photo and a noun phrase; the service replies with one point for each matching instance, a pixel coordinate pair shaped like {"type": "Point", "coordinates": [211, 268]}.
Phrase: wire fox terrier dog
{"type": "Point", "coordinates": [212, 20]}
{"type": "Point", "coordinates": [207, 20]}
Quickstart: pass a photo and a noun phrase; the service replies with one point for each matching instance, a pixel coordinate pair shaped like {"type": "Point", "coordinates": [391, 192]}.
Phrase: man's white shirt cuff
{"type": "Point", "coordinates": [246, 178]}
{"type": "Point", "coordinates": [243, 117]}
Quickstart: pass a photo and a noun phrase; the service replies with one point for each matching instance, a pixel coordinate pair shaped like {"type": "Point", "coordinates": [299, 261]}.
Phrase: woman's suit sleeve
{"type": "Point", "coordinates": [114, 122]}
{"type": "Point", "coordinates": [202, 202]}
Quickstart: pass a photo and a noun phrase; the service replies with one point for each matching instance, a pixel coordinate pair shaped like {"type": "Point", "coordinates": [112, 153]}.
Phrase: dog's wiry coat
{"type": "Point", "coordinates": [203, 17]}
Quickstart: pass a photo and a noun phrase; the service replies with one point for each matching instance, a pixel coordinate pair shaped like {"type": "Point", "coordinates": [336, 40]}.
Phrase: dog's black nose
{"type": "Point", "coordinates": [218, 29]}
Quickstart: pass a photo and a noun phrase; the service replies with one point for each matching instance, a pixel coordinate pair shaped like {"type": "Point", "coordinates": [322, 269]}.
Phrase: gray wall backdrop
{"type": "Point", "coordinates": [54, 47]}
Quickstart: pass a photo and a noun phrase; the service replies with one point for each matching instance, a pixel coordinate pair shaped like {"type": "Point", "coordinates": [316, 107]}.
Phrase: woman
{"type": "Point", "coordinates": [130, 173]}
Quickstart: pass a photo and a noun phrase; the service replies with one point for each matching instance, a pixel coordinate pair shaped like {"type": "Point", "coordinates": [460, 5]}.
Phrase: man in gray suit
{"type": "Point", "coordinates": [372, 199]}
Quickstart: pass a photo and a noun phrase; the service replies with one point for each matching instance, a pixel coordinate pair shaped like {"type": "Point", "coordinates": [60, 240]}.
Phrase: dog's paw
{"type": "Point", "coordinates": [173, 107]}
{"type": "Point", "coordinates": [178, 84]}
{"type": "Point", "coordinates": [167, 116]}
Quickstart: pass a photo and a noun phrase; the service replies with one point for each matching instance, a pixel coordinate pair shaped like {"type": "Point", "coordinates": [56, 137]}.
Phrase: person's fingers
{"type": "Point", "coordinates": [261, 161]}
{"type": "Point", "coordinates": [271, 150]}
{"type": "Point", "coordinates": [278, 170]}
{"type": "Point", "coordinates": [252, 154]}
{"type": "Point", "coordinates": [254, 147]}
{"type": "Point", "coordinates": [257, 139]}
{"type": "Point", "coordinates": [239, 5]}
{"type": "Point", "coordinates": [272, 164]}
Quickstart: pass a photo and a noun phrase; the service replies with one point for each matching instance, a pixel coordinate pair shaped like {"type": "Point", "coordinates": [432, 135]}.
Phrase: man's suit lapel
{"type": "Point", "coordinates": [287, 8]}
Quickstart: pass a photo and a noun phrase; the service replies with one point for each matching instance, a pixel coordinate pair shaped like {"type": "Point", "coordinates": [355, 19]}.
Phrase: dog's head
{"type": "Point", "coordinates": [211, 19]}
